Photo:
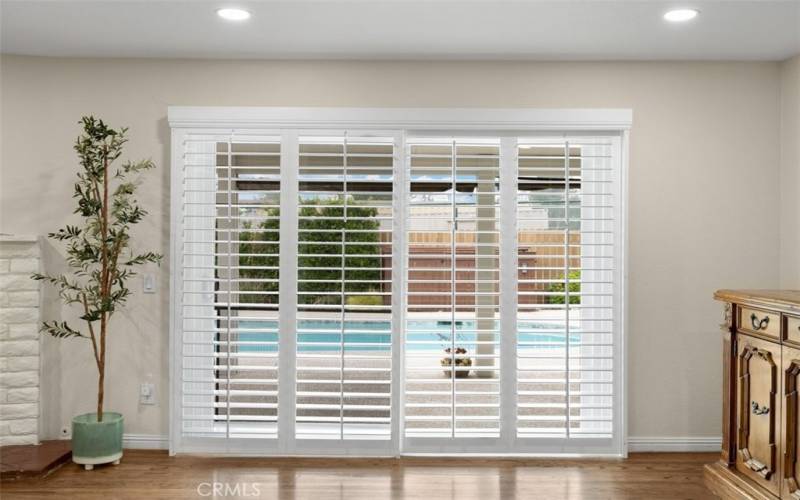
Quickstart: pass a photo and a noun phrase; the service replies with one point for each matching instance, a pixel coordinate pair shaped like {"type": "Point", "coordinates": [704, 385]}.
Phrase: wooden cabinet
{"type": "Point", "coordinates": [761, 409]}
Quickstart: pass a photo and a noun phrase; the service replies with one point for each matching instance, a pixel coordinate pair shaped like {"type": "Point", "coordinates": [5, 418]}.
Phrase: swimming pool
{"type": "Point", "coordinates": [325, 335]}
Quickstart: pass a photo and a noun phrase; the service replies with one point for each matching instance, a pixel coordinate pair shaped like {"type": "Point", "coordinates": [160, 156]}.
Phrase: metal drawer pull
{"type": "Point", "coordinates": [759, 410]}
{"type": "Point", "coordinates": [759, 324]}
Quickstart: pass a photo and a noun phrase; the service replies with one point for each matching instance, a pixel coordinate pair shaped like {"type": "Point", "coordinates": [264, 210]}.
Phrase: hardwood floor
{"type": "Point", "coordinates": [154, 475]}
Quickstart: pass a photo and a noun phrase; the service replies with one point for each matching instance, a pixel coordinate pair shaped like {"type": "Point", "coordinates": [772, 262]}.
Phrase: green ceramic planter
{"type": "Point", "coordinates": [96, 442]}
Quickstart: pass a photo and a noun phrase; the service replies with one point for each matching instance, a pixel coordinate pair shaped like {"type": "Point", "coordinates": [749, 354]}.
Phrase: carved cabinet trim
{"type": "Point", "coordinates": [727, 316]}
{"type": "Point", "coordinates": [749, 408]}
{"type": "Point", "coordinates": [790, 425]}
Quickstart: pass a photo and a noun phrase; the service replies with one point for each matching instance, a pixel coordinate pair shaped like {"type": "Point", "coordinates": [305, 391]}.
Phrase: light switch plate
{"type": "Point", "coordinates": [149, 283]}
{"type": "Point", "coordinates": [147, 394]}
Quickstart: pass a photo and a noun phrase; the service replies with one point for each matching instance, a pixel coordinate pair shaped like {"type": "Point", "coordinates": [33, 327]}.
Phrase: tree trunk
{"type": "Point", "coordinates": [101, 368]}
{"type": "Point", "coordinates": [104, 290]}
{"type": "Point", "coordinates": [100, 382]}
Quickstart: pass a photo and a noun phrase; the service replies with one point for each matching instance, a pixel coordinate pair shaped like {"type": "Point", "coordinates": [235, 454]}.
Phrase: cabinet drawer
{"type": "Point", "coordinates": [759, 322]}
{"type": "Point", "coordinates": [792, 330]}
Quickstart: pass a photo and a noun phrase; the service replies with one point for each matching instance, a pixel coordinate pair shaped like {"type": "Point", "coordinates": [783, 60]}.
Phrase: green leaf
{"type": "Point", "coordinates": [60, 330]}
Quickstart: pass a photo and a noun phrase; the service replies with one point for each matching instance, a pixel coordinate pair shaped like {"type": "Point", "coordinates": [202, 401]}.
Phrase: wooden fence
{"type": "Point", "coordinates": [541, 258]}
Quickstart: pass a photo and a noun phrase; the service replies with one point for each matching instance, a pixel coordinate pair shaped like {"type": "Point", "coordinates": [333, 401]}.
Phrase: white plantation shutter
{"type": "Point", "coordinates": [344, 280]}
{"type": "Point", "coordinates": [565, 219]}
{"type": "Point", "coordinates": [452, 367]}
{"type": "Point", "coordinates": [381, 290]}
{"type": "Point", "coordinates": [229, 282]}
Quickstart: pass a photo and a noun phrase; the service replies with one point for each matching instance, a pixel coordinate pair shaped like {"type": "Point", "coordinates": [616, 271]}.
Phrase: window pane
{"type": "Point", "coordinates": [452, 336]}
{"type": "Point", "coordinates": [344, 263]}
{"type": "Point", "coordinates": [564, 328]}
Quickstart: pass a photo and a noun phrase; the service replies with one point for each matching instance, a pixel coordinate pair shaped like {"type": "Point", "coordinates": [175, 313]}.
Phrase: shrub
{"type": "Point", "coordinates": [558, 288]}
{"type": "Point", "coordinates": [365, 300]}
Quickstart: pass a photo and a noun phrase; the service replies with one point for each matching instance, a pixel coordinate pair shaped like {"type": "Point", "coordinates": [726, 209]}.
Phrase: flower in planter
{"type": "Point", "coordinates": [462, 361]}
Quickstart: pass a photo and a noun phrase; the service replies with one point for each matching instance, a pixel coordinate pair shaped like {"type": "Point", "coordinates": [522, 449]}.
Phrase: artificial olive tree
{"type": "Point", "coordinates": [98, 252]}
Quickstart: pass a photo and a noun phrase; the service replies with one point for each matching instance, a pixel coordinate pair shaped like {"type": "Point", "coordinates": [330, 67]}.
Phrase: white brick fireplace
{"type": "Point", "coordinates": [19, 340]}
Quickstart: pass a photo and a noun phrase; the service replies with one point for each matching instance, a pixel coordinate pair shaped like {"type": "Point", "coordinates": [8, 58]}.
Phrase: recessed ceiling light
{"type": "Point", "coordinates": [233, 14]}
{"type": "Point", "coordinates": [681, 15]}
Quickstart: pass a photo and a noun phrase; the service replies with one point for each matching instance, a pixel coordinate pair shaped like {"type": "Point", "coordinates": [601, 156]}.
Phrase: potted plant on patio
{"type": "Point", "coordinates": [462, 361]}
{"type": "Point", "coordinates": [101, 263]}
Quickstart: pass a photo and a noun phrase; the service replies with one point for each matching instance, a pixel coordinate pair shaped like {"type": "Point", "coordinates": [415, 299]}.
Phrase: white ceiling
{"type": "Point", "coordinates": [402, 29]}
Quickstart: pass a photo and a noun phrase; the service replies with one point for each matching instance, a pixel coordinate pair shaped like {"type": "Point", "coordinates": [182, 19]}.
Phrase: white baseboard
{"type": "Point", "coordinates": [635, 444]}
{"type": "Point", "coordinates": [676, 444]}
{"type": "Point", "coordinates": [145, 442]}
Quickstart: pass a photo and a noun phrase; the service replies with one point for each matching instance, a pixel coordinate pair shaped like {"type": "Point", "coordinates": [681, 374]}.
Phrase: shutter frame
{"type": "Point", "coordinates": [609, 124]}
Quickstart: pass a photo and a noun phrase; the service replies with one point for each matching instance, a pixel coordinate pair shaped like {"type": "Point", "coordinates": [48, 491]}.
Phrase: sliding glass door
{"type": "Point", "coordinates": [510, 279]}
{"type": "Point", "coordinates": [385, 292]}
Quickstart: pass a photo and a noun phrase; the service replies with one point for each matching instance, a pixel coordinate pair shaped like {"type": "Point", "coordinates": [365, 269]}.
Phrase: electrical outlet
{"type": "Point", "coordinates": [147, 394]}
{"type": "Point", "coordinates": [66, 432]}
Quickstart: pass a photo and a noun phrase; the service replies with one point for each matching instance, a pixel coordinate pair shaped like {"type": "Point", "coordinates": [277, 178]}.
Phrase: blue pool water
{"type": "Point", "coordinates": [325, 335]}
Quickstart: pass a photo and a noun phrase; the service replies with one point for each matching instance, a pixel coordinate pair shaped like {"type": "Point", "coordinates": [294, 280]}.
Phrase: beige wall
{"type": "Point", "coordinates": [790, 173]}
{"type": "Point", "coordinates": [704, 193]}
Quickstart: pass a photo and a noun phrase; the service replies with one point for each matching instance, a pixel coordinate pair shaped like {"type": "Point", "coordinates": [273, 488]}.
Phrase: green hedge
{"type": "Point", "coordinates": [574, 289]}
